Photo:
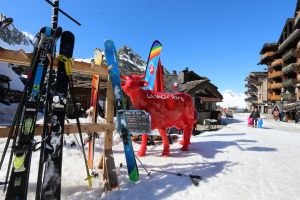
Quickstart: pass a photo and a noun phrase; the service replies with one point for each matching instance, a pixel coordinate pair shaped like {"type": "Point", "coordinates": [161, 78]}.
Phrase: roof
{"type": "Point", "coordinates": [257, 74]}
{"type": "Point", "coordinates": [269, 47]}
{"type": "Point", "coordinates": [291, 106]}
{"type": "Point", "coordinates": [199, 86]}
{"type": "Point", "coordinates": [194, 75]}
{"type": "Point", "coordinates": [284, 29]}
{"type": "Point", "coordinates": [189, 86]}
{"type": "Point", "coordinates": [297, 8]}
{"type": "Point", "coordinates": [278, 105]}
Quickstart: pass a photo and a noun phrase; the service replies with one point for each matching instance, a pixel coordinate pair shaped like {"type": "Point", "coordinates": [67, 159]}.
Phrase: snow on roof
{"type": "Point", "coordinates": [15, 83]}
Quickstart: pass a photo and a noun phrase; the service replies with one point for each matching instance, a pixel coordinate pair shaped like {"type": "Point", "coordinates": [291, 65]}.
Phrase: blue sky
{"type": "Point", "coordinates": [215, 38]}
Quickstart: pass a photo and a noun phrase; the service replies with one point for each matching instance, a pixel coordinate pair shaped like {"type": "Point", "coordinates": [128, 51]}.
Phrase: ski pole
{"type": "Point", "coordinates": [68, 68]}
{"type": "Point", "coordinates": [148, 173]}
{"type": "Point", "coordinates": [194, 178]}
{"type": "Point", "coordinates": [64, 13]}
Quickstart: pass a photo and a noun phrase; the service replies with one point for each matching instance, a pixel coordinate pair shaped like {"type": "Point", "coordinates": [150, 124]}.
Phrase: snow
{"type": "Point", "coordinates": [237, 162]}
{"type": "Point", "coordinates": [29, 35]}
{"type": "Point", "coordinates": [16, 47]}
{"type": "Point", "coordinates": [7, 113]}
{"type": "Point", "coordinates": [15, 83]}
{"type": "Point", "coordinates": [86, 60]}
{"type": "Point", "coordinates": [232, 99]}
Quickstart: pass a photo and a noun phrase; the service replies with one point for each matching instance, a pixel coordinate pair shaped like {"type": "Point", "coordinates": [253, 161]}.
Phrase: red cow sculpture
{"type": "Point", "coordinates": [166, 110]}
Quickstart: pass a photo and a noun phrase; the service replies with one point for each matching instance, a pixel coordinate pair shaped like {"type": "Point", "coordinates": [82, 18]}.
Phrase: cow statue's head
{"type": "Point", "coordinates": [133, 82]}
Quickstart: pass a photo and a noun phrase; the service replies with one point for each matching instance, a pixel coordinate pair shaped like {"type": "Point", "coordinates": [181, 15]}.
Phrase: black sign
{"type": "Point", "coordinates": [138, 121]}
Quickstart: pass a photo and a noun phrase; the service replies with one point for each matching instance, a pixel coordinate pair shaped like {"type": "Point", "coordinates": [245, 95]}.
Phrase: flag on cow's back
{"type": "Point", "coordinates": [150, 73]}
{"type": "Point", "coordinates": [159, 81]}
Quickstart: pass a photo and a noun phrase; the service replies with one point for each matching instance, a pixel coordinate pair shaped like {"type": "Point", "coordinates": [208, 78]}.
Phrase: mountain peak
{"type": "Point", "coordinates": [130, 60]}
{"type": "Point", "coordinates": [14, 39]}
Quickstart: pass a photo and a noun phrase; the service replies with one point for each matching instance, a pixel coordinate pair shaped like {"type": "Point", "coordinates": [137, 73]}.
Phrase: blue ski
{"type": "Point", "coordinates": [114, 73]}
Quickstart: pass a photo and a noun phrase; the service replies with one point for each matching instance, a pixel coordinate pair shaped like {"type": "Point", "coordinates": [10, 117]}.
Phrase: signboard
{"type": "Point", "coordinates": [138, 121]}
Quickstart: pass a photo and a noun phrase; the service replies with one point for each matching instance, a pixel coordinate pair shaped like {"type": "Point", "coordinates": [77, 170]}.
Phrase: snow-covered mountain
{"type": "Point", "coordinates": [232, 99]}
{"type": "Point", "coordinates": [130, 60]}
{"type": "Point", "coordinates": [14, 39]}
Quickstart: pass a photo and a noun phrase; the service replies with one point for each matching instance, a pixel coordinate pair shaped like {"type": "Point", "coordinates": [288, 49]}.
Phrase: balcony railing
{"type": "Point", "coordinates": [275, 98]}
{"type": "Point", "coordinates": [289, 42]}
{"type": "Point", "coordinates": [277, 63]}
{"type": "Point", "coordinates": [275, 74]}
{"type": "Point", "coordinates": [289, 82]}
{"type": "Point", "coordinates": [289, 56]}
{"type": "Point", "coordinates": [253, 91]}
{"type": "Point", "coordinates": [276, 86]}
{"type": "Point", "coordinates": [251, 82]}
{"type": "Point", "coordinates": [297, 22]}
{"type": "Point", "coordinates": [251, 99]}
{"type": "Point", "coordinates": [291, 68]}
{"type": "Point", "coordinates": [289, 96]}
{"type": "Point", "coordinates": [267, 56]}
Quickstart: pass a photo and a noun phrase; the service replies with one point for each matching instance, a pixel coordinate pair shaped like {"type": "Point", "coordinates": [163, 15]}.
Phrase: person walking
{"type": "Point", "coordinates": [255, 115]}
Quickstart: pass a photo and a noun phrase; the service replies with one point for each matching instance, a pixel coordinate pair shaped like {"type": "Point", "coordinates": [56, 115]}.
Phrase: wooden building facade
{"type": "Point", "coordinates": [283, 60]}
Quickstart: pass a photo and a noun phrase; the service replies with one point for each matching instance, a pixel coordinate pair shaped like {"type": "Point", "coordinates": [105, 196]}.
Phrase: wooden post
{"type": "Point", "coordinates": [107, 162]}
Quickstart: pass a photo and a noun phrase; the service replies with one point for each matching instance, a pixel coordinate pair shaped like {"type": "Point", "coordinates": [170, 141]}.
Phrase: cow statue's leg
{"type": "Point", "coordinates": [163, 134]}
{"type": "Point", "coordinates": [187, 133]}
{"type": "Point", "coordinates": [143, 148]}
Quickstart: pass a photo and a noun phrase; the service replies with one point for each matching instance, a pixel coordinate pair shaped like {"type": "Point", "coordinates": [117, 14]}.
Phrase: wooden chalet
{"type": "Point", "coordinates": [204, 93]}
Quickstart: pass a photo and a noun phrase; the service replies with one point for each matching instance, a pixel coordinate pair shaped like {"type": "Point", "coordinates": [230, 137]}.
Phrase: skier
{"type": "Point", "coordinates": [255, 114]}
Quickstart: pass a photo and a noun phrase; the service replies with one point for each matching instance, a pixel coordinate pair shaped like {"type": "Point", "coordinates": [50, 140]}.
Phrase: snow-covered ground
{"type": "Point", "coordinates": [238, 163]}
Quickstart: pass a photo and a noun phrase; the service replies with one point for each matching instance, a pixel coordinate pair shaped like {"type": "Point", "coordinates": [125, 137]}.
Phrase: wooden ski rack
{"type": "Point", "coordinates": [107, 163]}
{"type": "Point", "coordinates": [21, 58]}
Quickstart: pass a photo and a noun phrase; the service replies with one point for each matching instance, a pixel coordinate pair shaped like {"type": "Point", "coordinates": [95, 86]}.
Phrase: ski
{"type": "Point", "coordinates": [114, 73]}
{"type": "Point", "coordinates": [18, 183]}
{"type": "Point", "coordinates": [93, 103]}
{"type": "Point", "coordinates": [53, 142]}
{"type": "Point", "coordinates": [47, 111]}
{"type": "Point", "coordinates": [150, 72]}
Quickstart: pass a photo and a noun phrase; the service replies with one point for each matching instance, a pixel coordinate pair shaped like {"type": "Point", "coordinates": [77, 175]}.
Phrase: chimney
{"type": "Point", "coordinates": [183, 76]}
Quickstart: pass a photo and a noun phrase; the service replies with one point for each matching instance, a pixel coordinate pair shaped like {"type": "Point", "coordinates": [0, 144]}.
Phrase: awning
{"type": "Point", "coordinates": [292, 106]}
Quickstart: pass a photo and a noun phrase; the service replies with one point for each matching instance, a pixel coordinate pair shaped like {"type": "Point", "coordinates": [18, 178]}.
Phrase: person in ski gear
{"type": "Point", "coordinates": [276, 114]}
{"type": "Point", "coordinates": [255, 115]}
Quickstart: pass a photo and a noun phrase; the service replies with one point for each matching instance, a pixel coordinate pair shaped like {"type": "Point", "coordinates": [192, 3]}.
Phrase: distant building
{"type": "Point", "coordinates": [256, 91]}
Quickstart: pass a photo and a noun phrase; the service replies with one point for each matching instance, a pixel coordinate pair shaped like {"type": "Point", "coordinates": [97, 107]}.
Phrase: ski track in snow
{"type": "Point", "coordinates": [238, 163]}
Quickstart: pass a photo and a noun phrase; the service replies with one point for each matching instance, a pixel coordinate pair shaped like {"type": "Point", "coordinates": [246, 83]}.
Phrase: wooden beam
{"type": "Point", "coordinates": [69, 128]}
{"type": "Point", "coordinates": [107, 162]}
{"type": "Point", "coordinates": [21, 58]}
